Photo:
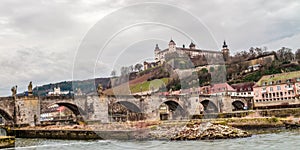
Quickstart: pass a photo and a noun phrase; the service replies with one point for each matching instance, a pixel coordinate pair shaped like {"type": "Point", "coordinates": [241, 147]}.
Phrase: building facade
{"type": "Point", "coordinates": [243, 89]}
{"type": "Point", "coordinates": [277, 90]}
{"type": "Point", "coordinates": [218, 89]}
{"type": "Point", "coordinates": [191, 51]}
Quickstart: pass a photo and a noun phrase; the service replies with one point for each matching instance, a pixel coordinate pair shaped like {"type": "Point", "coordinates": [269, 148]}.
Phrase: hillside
{"type": "Point", "coordinates": [151, 79]}
{"type": "Point", "coordinates": [86, 86]}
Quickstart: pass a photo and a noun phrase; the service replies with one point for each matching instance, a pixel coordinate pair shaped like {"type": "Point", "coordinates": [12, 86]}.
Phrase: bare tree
{"type": "Point", "coordinates": [258, 51]}
{"type": "Point", "coordinates": [138, 67]}
{"type": "Point", "coordinates": [297, 54]}
{"type": "Point", "coordinates": [131, 68]}
{"type": "Point", "coordinates": [285, 54]}
{"type": "Point", "coordinates": [252, 52]}
{"type": "Point", "coordinates": [113, 73]}
{"type": "Point", "coordinates": [124, 70]}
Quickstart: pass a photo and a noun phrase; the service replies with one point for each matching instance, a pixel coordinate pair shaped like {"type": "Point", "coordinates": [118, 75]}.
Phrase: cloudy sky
{"type": "Point", "coordinates": [48, 41]}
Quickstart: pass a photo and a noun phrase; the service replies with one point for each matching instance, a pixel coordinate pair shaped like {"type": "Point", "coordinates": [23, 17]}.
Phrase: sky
{"type": "Point", "coordinates": [48, 41]}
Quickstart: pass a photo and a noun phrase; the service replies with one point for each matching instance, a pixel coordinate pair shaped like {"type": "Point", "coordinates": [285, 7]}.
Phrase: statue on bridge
{"type": "Point", "coordinates": [14, 91]}
{"type": "Point", "coordinates": [30, 88]}
{"type": "Point", "coordinates": [100, 90]}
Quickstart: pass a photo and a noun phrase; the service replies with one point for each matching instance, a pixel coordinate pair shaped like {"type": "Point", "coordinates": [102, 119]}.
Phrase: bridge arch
{"type": "Point", "coordinates": [238, 105]}
{"type": "Point", "coordinates": [5, 115]}
{"type": "Point", "coordinates": [130, 106]}
{"type": "Point", "coordinates": [73, 107]}
{"type": "Point", "coordinates": [121, 111]}
{"type": "Point", "coordinates": [171, 109]}
{"type": "Point", "coordinates": [209, 106]}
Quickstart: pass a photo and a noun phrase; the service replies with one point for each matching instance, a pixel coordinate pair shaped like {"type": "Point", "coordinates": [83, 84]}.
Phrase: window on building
{"type": "Point", "coordinates": [271, 89]}
{"type": "Point", "coordinates": [288, 86]}
{"type": "Point", "coordinates": [278, 88]}
{"type": "Point", "coordinates": [278, 82]}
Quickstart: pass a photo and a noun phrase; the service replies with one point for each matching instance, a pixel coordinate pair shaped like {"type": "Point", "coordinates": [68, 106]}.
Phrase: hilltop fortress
{"type": "Point", "coordinates": [199, 57]}
{"type": "Point", "coordinates": [191, 51]}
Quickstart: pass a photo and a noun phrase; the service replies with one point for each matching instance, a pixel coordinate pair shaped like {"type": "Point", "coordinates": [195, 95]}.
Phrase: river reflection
{"type": "Point", "coordinates": [283, 140]}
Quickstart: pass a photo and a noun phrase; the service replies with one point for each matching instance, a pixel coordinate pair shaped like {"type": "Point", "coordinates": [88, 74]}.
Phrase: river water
{"type": "Point", "coordinates": [287, 140]}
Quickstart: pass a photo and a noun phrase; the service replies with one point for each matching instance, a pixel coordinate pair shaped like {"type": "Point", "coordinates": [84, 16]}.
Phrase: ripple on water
{"type": "Point", "coordinates": [282, 140]}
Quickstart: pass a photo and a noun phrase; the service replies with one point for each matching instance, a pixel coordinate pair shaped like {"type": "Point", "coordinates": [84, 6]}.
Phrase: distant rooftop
{"type": "Point", "coordinates": [279, 78]}
{"type": "Point", "coordinates": [243, 87]}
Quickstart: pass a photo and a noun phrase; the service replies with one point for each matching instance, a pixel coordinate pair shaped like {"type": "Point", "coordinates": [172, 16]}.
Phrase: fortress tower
{"type": "Point", "coordinates": [172, 46]}
{"type": "Point", "coordinates": [225, 51]}
{"type": "Point", "coordinates": [156, 52]}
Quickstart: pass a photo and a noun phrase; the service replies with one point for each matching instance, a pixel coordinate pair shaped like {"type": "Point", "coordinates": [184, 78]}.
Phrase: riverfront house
{"type": "Point", "coordinates": [277, 90]}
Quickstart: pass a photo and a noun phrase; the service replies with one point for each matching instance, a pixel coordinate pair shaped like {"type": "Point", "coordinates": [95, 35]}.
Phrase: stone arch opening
{"type": "Point", "coordinates": [209, 106]}
{"type": "Point", "coordinates": [74, 108]}
{"type": "Point", "coordinates": [238, 105]}
{"type": "Point", "coordinates": [70, 113]}
{"type": "Point", "coordinates": [6, 116]}
{"type": "Point", "coordinates": [124, 111]}
{"type": "Point", "coordinates": [171, 110]}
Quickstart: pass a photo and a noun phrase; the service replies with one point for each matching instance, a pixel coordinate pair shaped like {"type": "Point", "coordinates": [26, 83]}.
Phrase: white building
{"type": "Point", "coordinates": [57, 91]}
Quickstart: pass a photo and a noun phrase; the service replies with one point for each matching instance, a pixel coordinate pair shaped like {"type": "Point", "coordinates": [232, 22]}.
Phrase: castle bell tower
{"type": "Point", "coordinates": [225, 51]}
{"type": "Point", "coordinates": [156, 53]}
{"type": "Point", "coordinates": [192, 45]}
{"type": "Point", "coordinates": [172, 46]}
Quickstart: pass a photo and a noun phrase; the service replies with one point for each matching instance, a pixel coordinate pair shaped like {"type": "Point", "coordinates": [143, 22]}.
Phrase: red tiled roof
{"type": "Point", "coordinates": [243, 87]}
{"type": "Point", "coordinates": [221, 87]}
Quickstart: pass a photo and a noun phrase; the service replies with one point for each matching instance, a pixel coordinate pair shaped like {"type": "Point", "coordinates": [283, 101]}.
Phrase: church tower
{"type": "Point", "coordinates": [225, 51]}
{"type": "Point", "coordinates": [192, 45]}
{"type": "Point", "coordinates": [156, 53]}
{"type": "Point", "coordinates": [172, 46]}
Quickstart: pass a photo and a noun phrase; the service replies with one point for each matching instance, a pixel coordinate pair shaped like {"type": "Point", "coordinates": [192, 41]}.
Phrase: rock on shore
{"type": "Point", "coordinates": [200, 131]}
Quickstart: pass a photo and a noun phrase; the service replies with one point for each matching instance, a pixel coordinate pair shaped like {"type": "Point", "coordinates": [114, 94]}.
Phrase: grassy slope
{"type": "Point", "coordinates": [137, 85]}
{"type": "Point", "coordinates": [147, 85]}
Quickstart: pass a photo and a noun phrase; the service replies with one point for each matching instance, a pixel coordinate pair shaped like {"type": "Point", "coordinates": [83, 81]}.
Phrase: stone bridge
{"type": "Point", "coordinates": [27, 109]}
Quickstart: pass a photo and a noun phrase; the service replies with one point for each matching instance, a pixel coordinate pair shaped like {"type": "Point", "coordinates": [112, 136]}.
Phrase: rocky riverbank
{"type": "Point", "coordinates": [161, 130]}
{"type": "Point", "coordinates": [198, 131]}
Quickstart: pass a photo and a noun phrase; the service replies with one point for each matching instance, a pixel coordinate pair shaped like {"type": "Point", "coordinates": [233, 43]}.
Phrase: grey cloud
{"type": "Point", "coordinates": [44, 35]}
